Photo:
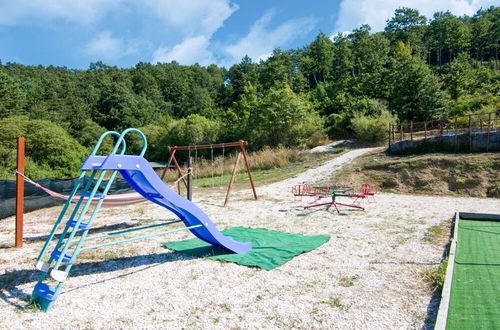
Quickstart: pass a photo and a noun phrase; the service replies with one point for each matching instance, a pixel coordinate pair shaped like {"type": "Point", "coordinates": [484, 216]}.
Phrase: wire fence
{"type": "Point", "coordinates": [476, 132]}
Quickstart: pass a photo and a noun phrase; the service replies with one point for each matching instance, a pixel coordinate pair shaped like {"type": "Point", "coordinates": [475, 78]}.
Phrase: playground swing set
{"type": "Point", "coordinates": [241, 151]}
{"type": "Point", "coordinates": [137, 172]}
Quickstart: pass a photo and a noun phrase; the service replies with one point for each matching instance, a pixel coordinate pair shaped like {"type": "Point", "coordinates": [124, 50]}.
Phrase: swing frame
{"type": "Point", "coordinates": [241, 145]}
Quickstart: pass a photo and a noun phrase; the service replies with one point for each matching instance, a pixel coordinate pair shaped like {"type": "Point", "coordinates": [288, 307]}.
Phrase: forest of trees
{"type": "Point", "coordinates": [417, 69]}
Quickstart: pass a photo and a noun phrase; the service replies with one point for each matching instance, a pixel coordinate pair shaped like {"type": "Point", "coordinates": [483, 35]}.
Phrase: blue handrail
{"type": "Point", "coordinates": [122, 139]}
{"type": "Point", "coordinates": [101, 139]}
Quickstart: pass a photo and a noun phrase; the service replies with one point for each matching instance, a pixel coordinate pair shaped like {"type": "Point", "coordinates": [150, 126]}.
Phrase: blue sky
{"type": "Point", "coordinates": [74, 33]}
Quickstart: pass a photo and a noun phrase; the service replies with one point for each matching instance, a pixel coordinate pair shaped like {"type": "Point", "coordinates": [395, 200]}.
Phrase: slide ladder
{"type": "Point", "coordinates": [140, 176]}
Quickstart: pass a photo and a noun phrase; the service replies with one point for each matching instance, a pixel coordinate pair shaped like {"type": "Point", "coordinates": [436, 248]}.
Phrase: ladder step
{"type": "Point", "coordinates": [67, 259]}
{"type": "Point", "coordinates": [82, 225]}
{"type": "Point", "coordinates": [45, 291]}
{"type": "Point", "coordinates": [96, 195]}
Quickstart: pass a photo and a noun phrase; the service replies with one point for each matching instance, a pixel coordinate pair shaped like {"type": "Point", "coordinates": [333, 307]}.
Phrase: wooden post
{"type": "Point", "coordinates": [488, 133]}
{"type": "Point", "coordinates": [241, 144]}
{"type": "Point", "coordinates": [470, 133]}
{"type": "Point", "coordinates": [456, 135]}
{"type": "Point", "coordinates": [247, 165]}
{"type": "Point", "coordinates": [390, 129]}
{"type": "Point", "coordinates": [179, 171]}
{"type": "Point", "coordinates": [20, 192]}
{"type": "Point", "coordinates": [411, 133]}
{"type": "Point", "coordinates": [167, 166]}
{"type": "Point", "coordinates": [235, 167]}
{"type": "Point", "coordinates": [401, 138]}
{"type": "Point", "coordinates": [394, 133]}
{"type": "Point", "coordinates": [425, 130]}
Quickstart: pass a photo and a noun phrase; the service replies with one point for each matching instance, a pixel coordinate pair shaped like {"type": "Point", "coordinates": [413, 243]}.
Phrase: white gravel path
{"type": "Point", "coordinates": [368, 276]}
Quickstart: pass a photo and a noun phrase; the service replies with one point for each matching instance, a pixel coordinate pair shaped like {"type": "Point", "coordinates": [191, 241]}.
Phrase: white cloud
{"type": "Point", "coordinates": [108, 48]}
{"type": "Point", "coordinates": [201, 17]}
{"type": "Point", "coordinates": [197, 21]}
{"type": "Point", "coordinates": [353, 13]}
{"type": "Point", "coordinates": [261, 41]}
{"type": "Point", "coordinates": [22, 12]}
{"type": "Point", "coordinates": [190, 51]}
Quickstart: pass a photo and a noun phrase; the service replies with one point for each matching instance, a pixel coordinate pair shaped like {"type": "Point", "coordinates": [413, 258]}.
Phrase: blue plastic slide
{"type": "Point", "coordinates": [141, 177]}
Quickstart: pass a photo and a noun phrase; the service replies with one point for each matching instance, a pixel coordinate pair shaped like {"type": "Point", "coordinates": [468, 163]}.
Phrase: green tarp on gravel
{"type": "Point", "coordinates": [270, 249]}
{"type": "Point", "coordinates": [475, 290]}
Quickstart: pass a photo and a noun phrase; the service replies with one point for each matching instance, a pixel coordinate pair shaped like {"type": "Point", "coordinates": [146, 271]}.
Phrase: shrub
{"type": "Point", "coordinates": [372, 128]}
{"type": "Point", "coordinates": [50, 150]}
{"type": "Point", "coordinates": [194, 129]}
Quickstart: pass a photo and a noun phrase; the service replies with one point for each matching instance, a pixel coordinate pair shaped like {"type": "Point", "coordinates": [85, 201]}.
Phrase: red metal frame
{"type": "Point", "coordinates": [367, 190]}
{"type": "Point", "coordinates": [306, 190]}
{"type": "Point", "coordinates": [333, 192]}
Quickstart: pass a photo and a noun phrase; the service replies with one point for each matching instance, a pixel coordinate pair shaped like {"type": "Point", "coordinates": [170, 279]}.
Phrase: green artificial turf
{"type": "Point", "coordinates": [475, 290]}
{"type": "Point", "coordinates": [270, 248]}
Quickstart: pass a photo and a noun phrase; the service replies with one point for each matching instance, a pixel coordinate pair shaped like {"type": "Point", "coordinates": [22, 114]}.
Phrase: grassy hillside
{"type": "Point", "coordinates": [436, 174]}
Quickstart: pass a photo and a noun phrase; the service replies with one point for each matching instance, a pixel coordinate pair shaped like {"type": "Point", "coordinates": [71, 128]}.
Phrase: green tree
{"type": "Point", "coordinates": [316, 63]}
{"type": "Point", "coordinates": [415, 92]}
{"type": "Point", "coordinates": [342, 58]}
{"type": "Point", "coordinates": [407, 26]}
{"type": "Point", "coordinates": [485, 30]}
{"type": "Point", "coordinates": [238, 77]}
{"type": "Point", "coordinates": [194, 129]}
{"type": "Point", "coordinates": [447, 36]}
{"type": "Point", "coordinates": [460, 78]}
{"type": "Point", "coordinates": [276, 69]}
{"type": "Point", "coordinates": [370, 58]}
{"type": "Point", "coordinates": [12, 98]}
{"type": "Point", "coordinates": [286, 118]}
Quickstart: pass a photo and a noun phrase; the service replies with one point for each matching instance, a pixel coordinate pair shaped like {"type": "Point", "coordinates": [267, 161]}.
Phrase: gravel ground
{"type": "Point", "coordinates": [370, 275]}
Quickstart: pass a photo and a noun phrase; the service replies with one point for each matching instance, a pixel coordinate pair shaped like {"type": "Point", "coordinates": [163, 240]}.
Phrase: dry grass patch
{"type": "Point", "coordinates": [473, 175]}
{"type": "Point", "coordinates": [280, 162]}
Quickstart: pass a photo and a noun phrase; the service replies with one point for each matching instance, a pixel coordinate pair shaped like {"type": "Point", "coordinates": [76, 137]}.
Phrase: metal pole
{"type": "Point", "coordinates": [189, 180]}
{"type": "Point", "coordinates": [20, 192]}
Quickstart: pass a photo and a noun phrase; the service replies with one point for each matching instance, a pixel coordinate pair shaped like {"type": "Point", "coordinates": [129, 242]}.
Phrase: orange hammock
{"type": "Point", "coordinates": [109, 200]}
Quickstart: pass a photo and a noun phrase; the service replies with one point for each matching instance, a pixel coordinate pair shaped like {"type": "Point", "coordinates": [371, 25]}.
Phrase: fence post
{"type": "Point", "coordinates": [470, 133]}
{"type": "Point", "coordinates": [425, 131]}
{"type": "Point", "coordinates": [488, 133]}
{"type": "Point", "coordinates": [457, 148]}
{"type": "Point", "coordinates": [411, 133]}
{"type": "Point", "coordinates": [390, 132]}
{"type": "Point", "coordinates": [394, 127]}
{"type": "Point", "coordinates": [20, 192]}
{"type": "Point", "coordinates": [401, 138]}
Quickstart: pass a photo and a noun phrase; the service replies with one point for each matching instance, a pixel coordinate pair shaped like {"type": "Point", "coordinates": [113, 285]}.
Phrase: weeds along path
{"type": "Point", "coordinates": [313, 175]}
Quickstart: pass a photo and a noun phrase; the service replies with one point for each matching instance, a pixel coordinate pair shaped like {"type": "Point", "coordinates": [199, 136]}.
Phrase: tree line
{"type": "Point", "coordinates": [417, 69]}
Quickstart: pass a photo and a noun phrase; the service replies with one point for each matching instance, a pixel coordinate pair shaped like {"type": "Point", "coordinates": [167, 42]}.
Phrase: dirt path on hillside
{"type": "Point", "coordinates": [369, 275]}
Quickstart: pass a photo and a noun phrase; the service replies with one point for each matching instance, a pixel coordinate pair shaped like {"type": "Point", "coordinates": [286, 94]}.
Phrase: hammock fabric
{"type": "Point", "coordinates": [109, 200]}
